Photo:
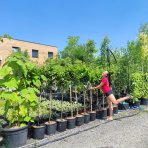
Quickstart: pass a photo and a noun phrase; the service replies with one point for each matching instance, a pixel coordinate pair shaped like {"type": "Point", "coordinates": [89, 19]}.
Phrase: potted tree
{"type": "Point", "coordinates": [19, 97]}
{"type": "Point", "coordinates": [79, 117]}
{"type": "Point", "coordinates": [56, 72]}
{"type": "Point", "coordinates": [86, 114]}
{"type": "Point", "coordinates": [137, 88]}
{"type": "Point", "coordinates": [92, 113]}
{"type": "Point", "coordinates": [71, 121]}
{"type": "Point", "coordinates": [51, 126]}
{"type": "Point", "coordinates": [104, 110]}
{"type": "Point", "coordinates": [62, 123]}
{"type": "Point", "coordinates": [39, 128]}
{"type": "Point", "coordinates": [50, 73]}
{"type": "Point", "coordinates": [98, 110]}
{"type": "Point", "coordinates": [144, 98]}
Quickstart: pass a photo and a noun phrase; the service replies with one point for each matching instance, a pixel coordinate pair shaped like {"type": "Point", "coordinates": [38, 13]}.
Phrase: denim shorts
{"type": "Point", "coordinates": [108, 93]}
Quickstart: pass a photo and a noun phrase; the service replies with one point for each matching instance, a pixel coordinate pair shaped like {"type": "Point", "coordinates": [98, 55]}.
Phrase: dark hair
{"type": "Point", "coordinates": [109, 77]}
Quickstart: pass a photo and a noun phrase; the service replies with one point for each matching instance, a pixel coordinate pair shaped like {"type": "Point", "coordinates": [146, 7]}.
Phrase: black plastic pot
{"type": "Point", "coordinates": [92, 115]}
{"type": "Point", "coordinates": [115, 110]}
{"type": "Point", "coordinates": [51, 127]}
{"type": "Point", "coordinates": [144, 101]}
{"type": "Point", "coordinates": [99, 114]}
{"type": "Point", "coordinates": [108, 113]}
{"type": "Point", "coordinates": [61, 125]}
{"type": "Point", "coordinates": [104, 113]}
{"type": "Point", "coordinates": [136, 103]}
{"type": "Point", "coordinates": [30, 129]}
{"type": "Point", "coordinates": [86, 118]}
{"type": "Point", "coordinates": [123, 106]}
{"type": "Point", "coordinates": [38, 132]}
{"type": "Point", "coordinates": [15, 137]}
{"type": "Point", "coordinates": [71, 122]}
{"type": "Point", "coordinates": [79, 120]}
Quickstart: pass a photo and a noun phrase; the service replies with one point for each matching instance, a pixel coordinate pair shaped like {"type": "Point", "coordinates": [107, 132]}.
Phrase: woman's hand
{"type": "Point", "coordinates": [91, 88]}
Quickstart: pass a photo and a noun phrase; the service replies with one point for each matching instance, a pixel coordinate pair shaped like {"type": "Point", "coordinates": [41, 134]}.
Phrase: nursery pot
{"type": "Point", "coordinates": [144, 101]}
{"type": "Point", "coordinates": [99, 114]}
{"type": "Point", "coordinates": [92, 115]}
{"type": "Point", "coordinates": [86, 117]}
{"type": "Point", "coordinates": [61, 125]}
{"type": "Point", "coordinates": [104, 113]}
{"type": "Point", "coordinates": [51, 127]}
{"type": "Point", "coordinates": [79, 120]}
{"type": "Point", "coordinates": [123, 106]}
{"type": "Point", "coordinates": [38, 132]}
{"type": "Point", "coordinates": [30, 129]}
{"type": "Point", "coordinates": [71, 122]}
{"type": "Point", "coordinates": [108, 113]}
{"type": "Point", "coordinates": [115, 110]}
{"type": "Point", "coordinates": [136, 103]}
{"type": "Point", "coordinates": [15, 137]}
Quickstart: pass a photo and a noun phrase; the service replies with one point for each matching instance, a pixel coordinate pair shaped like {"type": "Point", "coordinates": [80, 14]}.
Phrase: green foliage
{"type": "Point", "coordinates": [82, 52]}
{"type": "Point", "coordinates": [144, 28]}
{"type": "Point", "coordinates": [140, 85]}
{"type": "Point", "coordinates": [103, 51]}
{"type": "Point", "coordinates": [18, 89]}
{"type": "Point", "coordinates": [66, 105]}
{"type": "Point", "coordinates": [145, 85]}
{"type": "Point", "coordinates": [5, 36]}
{"type": "Point", "coordinates": [137, 86]}
{"type": "Point", "coordinates": [78, 65]}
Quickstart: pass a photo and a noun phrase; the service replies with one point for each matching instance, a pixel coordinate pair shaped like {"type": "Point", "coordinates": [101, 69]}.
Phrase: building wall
{"type": "Point", "coordinates": [7, 44]}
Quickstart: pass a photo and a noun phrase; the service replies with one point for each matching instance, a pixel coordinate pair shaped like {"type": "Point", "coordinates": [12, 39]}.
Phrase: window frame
{"type": "Point", "coordinates": [15, 49]}
{"type": "Point", "coordinates": [36, 54]}
{"type": "Point", "coordinates": [49, 52]}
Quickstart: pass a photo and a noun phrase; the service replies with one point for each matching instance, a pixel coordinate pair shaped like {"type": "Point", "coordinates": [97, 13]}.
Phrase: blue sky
{"type": "Point", "coordinates": [52, 21]}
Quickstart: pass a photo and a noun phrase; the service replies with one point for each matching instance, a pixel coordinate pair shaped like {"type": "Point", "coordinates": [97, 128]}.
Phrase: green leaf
{"type": "Point", "coordinates": [7, 106]}
{"type": "Point", "coordinates": [27, 118]}
{"type": "Point", "coordinates": [43, 78]}
{"type": "Point", "coordinates": [22, 124]}
{"type": "Point", "coordinates": [11, 84]}
{"type": "Point", "coordinates": [5, 71]}
{"type": "Point", "coordinates": [37, 83]}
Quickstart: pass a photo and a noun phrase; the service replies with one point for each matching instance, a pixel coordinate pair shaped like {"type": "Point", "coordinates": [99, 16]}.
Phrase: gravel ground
{"type": "Point", "coordinates": [120, 133]}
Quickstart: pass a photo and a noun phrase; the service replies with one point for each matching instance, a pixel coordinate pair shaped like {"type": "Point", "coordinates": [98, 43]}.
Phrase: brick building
{"type": "Point", "coordinates": [37, 52]}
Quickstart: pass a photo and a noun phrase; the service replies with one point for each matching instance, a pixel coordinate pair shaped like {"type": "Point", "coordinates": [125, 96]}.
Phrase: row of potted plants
{"type": "Point", "coordinates": [21, 81]}
{"type": "Point", "coordinates": [60, 125]}
{"type": "Point", "coordinates": [76, 118]}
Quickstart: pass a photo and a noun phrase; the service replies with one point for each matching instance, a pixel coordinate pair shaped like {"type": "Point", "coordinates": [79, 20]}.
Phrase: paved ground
{"type": "Point", "coordinates": [131, 132]}
{"type": "Point", "coordinates": [123, 132]}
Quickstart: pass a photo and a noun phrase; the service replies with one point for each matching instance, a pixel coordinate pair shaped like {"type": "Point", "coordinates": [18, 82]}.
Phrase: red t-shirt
{"type": "Point", "coordinates": [106, 88]}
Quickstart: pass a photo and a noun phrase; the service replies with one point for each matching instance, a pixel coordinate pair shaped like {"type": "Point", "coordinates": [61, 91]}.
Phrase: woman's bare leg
{"type": "Point", "coordinates": [114, 101]}
{"type": "Point", "coordinates": [110, 104]}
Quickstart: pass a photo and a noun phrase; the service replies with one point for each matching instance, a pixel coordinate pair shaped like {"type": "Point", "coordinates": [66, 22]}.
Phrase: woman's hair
{"type": "Point", "coordinates": [109, 78]}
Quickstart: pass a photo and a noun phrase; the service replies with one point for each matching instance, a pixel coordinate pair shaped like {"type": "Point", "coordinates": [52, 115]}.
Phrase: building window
{"type": "Point", "coordinates": [50, 54]}
{"type": "Point", "coordinates": [35, 53]}
{"type": "Point", "coordinates": [15, 49]}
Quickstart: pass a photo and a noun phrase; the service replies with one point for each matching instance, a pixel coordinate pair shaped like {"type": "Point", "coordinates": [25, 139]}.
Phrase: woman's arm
{"type": "Point", "coordinates": [99, 86]}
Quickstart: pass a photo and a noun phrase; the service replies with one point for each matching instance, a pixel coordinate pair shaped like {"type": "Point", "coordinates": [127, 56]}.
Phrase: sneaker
{"type": "Point", "coordinates": [130, 96]}
{"type": "Point", "coordinates": [109, 119]}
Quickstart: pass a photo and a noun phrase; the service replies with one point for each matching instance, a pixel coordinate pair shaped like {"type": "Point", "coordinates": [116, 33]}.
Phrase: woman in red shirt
{"type": "Point", "coordinates": [109, 94]}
